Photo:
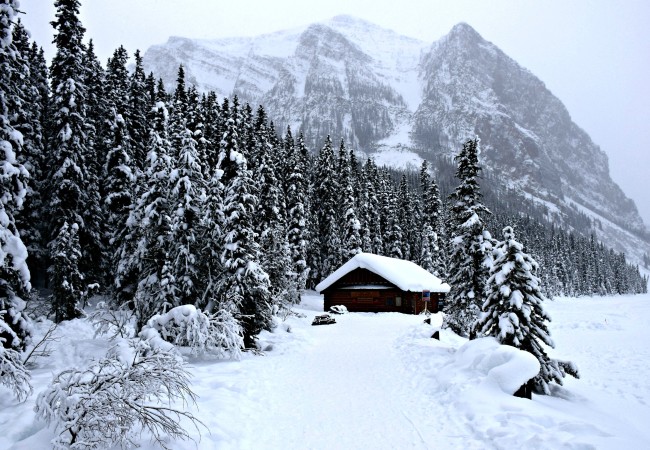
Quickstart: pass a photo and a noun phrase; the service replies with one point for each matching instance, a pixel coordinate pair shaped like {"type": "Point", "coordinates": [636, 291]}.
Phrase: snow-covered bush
{"type": "Point", "coordinates": [13, 373]}
{"type": "Point", "coordinates": [187, 326]}
{"type": "Point", "coordinates": [130, 390]}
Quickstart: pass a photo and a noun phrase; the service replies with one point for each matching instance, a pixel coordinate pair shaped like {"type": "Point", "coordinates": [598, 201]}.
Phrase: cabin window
{"type": "Point", "coordinates": [398, 301]}
{"type": "Point", "coordinates": [390, 301]}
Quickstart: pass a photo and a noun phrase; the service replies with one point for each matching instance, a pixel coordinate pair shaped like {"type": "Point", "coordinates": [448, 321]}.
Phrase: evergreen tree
{"type": "Point", "coordinates": [428, 250]}
{"type": "Point", "coordinates": [118, 170]}
{"type": "Point", "coordinates": [351, 237]}
{"type": "Point", "coordinates": [513, 311]}
{"type": "Point", "coordinates": [470, 245]}
{"type": "Point", "coordinates": [432, 218]}
{"type": "Point", "coordinates": [99, 112]}
{"type": "Point", "coordinates": [29, 81]}
{"type": "Point", "coordinates": [187, 191]}
{"type": "Point", "coordinates": [69, 290]}
{"type": "Point", "coordinates": [371, 208]}
{"type": "Point", "coordinates": [271, 217]}
{"type": "Point", "coordinates": [73, 184]}
{"type": "Point", "coordinates": [406, 218]}
{"type": "Point", "coordinates": [297, 228]}
{"type": "Point", "coordinates": [213, 232]}
{"type": "Point", "coordinates": [140, 102]}
{"type": "Point", "coordinates": [244, 286]}
{"type": "Point", "coordinates": [327, 195]}
{"type": "Point", "coordinates": [391, 227]}
{"type": "Point", "coordinates": [144, 272]}
{"type": "Point", "coordinates": [14, 274]}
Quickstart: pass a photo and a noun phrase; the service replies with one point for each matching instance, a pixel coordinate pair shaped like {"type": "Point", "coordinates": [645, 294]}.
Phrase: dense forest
{"type": "Point", "coordinates": [158, 196]}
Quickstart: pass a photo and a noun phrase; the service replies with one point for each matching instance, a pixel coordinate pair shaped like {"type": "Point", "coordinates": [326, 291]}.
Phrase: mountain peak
{"type": "Point", "coordinates": [464, 31]}
{"type": "Point", "coordinates": [347, 19]}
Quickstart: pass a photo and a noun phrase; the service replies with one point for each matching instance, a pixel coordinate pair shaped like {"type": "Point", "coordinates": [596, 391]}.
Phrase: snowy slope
{"type": "Point", "coordinates": [379, 381]}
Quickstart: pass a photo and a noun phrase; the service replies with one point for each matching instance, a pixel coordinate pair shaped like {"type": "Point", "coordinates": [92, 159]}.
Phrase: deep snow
{"type": "Point", "coordinates": [379, 381]}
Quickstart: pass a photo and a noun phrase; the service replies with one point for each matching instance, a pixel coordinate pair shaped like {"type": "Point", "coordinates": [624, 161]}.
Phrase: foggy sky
{"type": "Point", "coordinates": [594, 55]}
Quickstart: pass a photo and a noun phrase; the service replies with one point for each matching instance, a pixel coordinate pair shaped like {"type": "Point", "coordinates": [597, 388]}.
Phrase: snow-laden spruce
{"type": "Point", "coordinates": [470, 245]}
{"type": "Point", "coordinates": [243, 287]}
{"type": "Point", "coordinates": [513, 311]}
{"type": "Point", "coordinates": [15, 327]}
{"type": "Point", "coordinates": [73, 185]}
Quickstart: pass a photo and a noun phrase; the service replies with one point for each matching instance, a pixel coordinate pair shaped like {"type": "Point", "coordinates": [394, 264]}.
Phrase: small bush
{"type": "Point", "coordinates": [131, 389]}
{"type": "Point", "coordinates": [186, 326]}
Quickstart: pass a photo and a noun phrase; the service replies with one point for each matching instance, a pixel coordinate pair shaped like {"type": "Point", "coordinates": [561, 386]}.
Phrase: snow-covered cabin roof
{"type": "Point", "coordinates": [405, 275]}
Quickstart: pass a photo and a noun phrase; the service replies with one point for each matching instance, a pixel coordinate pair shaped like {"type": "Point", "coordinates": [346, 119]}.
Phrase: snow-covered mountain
{"type": "Point", "coordinates": [402, 99]}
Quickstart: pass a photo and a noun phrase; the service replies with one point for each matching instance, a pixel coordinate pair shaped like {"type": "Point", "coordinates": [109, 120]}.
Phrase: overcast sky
{"type": "Point", "coordinates": [592, 54]}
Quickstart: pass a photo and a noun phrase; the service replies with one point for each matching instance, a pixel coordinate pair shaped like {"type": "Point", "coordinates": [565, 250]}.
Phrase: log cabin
{"type": "Point", "coordinates": [373, 283]}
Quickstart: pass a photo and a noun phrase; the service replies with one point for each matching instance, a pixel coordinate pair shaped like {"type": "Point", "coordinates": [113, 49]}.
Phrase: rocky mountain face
{"type": "Point", "coordinates": [401, 99]}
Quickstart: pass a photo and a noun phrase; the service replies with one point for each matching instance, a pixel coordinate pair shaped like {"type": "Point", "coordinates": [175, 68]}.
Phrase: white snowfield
{"type": "Point", "coordinates": [406, 275]}
{"type": "Point", "coordinates": [378, 381]}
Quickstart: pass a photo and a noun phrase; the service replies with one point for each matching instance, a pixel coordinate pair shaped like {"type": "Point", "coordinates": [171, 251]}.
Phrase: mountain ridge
{"type": "Point", "coordinates": [384, 93]}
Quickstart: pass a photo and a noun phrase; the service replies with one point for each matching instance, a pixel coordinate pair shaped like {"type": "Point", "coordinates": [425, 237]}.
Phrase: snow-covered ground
{"type": "Point", "coordinates": [379, 381]}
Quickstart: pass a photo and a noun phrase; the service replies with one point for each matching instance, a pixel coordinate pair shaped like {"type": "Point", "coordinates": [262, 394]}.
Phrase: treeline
{"type": "Point", "coordinates": [161, 199]}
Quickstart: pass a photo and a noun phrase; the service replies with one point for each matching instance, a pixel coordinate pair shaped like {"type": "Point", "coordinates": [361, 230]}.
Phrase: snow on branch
{"type": "Point", "coordinates": [132, 389]}
{"type": "Point", "coordinates": [187, 326]}
{"type": "Point", "coordinates": [13, 373]}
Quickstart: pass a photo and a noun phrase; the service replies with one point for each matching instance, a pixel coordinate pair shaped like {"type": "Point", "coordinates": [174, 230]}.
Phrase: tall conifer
{"type": "Point", "coordinates": [470, 245]}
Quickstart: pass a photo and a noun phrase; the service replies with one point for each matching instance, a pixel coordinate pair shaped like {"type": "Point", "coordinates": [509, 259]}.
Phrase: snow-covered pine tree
{"type": "Point", "coordinates": [212, 241]}
{"type": "Point", "coordinates": [212, 114]}
{"type": "Point", "coordinates": [139, 106]}
{"type": "Point", "coordinates": [118, 184]}
{"type": "Point", "coordinates": [187, 189]}
{"type": "Point", "coordinates": [513, 311]}
{"type": "Point", "coordinates": [142, 276]}
{"type": "Point", "coordinates": [29, 80]}
{"type": "Point", "coordinates": [14, 274]}
{"type": "Point", "coordinates": [271, 220]}
{"type": "Point", "coordinates": [428, 249]}
{"type": "Point", "coordinates": [99, 115]}
{"type": "Point", "coordinates": [365, 212]}
{"type": "Point", "coordinates": [244, 286]}
{"type": "Point", "coordinates": [118, 171]}
{"type": "Point", "coordinates": [327, 191]}
{"type": "Point", "coordinates": [392, 231]}
{"type": "Point", "coordinates": [351, 237]}
{"type": "Point", "coordinates": [432, 214]}
{"type": "Point", "coordinates": [69, 290]}
{"type": "Point", "coordinates": [406, 217]}
{"type": "Point", "coordinates": [372, 207]}
{"type": "Point", "coordinates": [73, 184]}
{"type": "Point", "coordinates": [297, 229]}
{"type": "Point", "coordinates": [470, 245]}
{"type": "Point", "coordinates": [314, 255]}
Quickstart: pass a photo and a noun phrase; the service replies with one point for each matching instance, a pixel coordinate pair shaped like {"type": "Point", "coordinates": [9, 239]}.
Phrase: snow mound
{"type": "Point", "coordinates": [505, 368]}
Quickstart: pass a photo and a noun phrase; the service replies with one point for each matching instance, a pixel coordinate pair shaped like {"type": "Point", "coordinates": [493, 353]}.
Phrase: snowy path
{"type": "Point", "coordinates": [345, 388]}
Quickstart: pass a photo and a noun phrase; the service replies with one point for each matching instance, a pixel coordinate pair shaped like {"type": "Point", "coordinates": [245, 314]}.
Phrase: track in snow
{"type": "Point", "coordinates": [341, 386]}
